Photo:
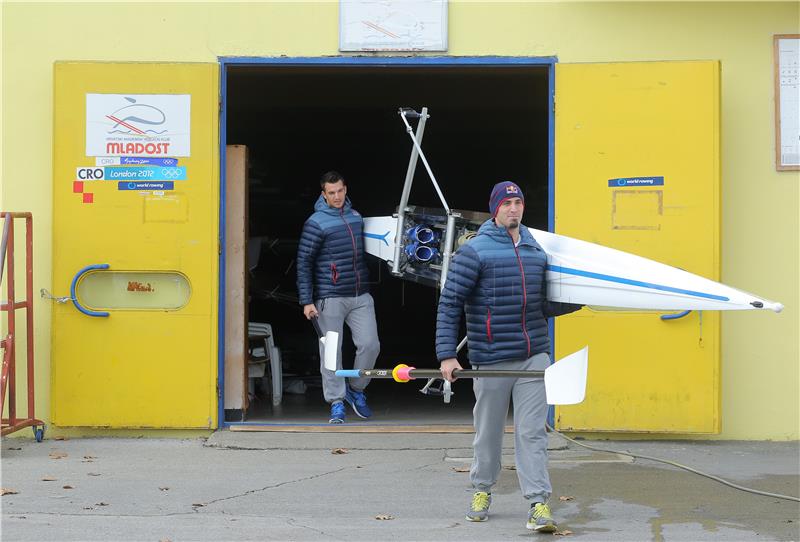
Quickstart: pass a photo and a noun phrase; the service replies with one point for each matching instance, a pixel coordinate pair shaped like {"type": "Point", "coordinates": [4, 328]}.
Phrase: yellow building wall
{"type": "Point", "coordinates": [760, 229]}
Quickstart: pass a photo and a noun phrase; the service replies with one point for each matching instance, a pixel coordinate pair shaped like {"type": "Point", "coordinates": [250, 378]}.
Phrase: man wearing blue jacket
{"type": "Point", "coordinates": [498, 279]}
{"type": "Point", "coordinates": [332, 281]}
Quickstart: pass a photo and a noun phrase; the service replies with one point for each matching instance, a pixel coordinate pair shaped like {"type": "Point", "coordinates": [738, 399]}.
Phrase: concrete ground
{"type": "Point", "coordinates": [290, 486]}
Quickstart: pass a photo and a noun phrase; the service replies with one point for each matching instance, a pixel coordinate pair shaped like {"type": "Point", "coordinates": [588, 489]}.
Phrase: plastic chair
{"type": "Point", "coordinates": [253, 253]}
{"type": "Point", "coordinates": [262, 349]}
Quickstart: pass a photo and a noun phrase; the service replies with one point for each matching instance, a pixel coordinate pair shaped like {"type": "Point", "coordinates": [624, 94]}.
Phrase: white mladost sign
{"type": "Point", "coordinates": [138, 124]}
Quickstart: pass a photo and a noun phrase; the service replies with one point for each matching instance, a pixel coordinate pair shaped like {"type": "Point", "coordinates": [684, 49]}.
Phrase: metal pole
{"type": "Point", "coordinates": [29, 310]}
{"type": "Point", "coordinates": [448, 248]}
{"type": "Point", "coordinates": [425, 163]}
{"type": "Point", "coordinates": [12, 377]}
{"type": "Point", "coordinates": [435, 373]}
{"type": "Point", "coordinates": [412, 167]}
{"type": "Point", "coordinates": [4, 243]}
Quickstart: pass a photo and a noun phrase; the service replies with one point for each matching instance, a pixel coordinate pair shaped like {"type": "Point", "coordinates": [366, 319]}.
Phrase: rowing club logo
{"type": "Point", "coordinates": [138, 125]}
{"type": "Point", "coordinates": [137, 118]}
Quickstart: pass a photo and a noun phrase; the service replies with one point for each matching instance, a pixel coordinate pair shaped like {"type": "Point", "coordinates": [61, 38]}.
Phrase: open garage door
{"type": "Point", "coordinates": [135, 237]}
{"type": "Point", "coordinates": [637, 169]}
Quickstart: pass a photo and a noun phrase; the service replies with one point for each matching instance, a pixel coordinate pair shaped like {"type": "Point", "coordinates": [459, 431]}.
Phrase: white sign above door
{"type": "Point", "coordinates": [393, 25]}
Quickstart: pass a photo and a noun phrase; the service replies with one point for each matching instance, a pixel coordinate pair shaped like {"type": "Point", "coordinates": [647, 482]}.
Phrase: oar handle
{"type": "Point", "coordinates": [315, 323]}
{"type": "Point", "coordinates": [404, 373]}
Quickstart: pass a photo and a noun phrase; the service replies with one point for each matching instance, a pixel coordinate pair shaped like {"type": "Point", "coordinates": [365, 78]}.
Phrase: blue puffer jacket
{"type": "Point", "coordinates": [330, 256]}
{"type": "Point", "coordinates": [502, 289]}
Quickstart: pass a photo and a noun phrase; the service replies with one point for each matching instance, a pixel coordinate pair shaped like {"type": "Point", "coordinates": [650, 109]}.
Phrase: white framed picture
{"type": "Point", "coordinates": [787, 101]}
{"type": "Point", "coordinates": [392, 25]}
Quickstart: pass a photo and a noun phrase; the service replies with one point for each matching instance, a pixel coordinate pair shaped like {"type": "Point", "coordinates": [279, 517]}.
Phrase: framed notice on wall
{"type": "Point", "coordinates": [393, 25]}
{"type": "Point", "coordinates": [787, 101]}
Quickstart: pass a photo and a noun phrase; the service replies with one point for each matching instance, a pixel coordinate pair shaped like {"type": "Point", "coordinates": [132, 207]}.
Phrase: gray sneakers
{"type": "Point", "coordinates": [479, 509]}
{"type": "Point", "coordinates": [540, 519]}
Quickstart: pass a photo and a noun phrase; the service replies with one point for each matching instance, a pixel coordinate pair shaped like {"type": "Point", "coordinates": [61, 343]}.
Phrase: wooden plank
{"type": "Point", "coordinates": [236, 277]}
{"type": "Point", "coordinates": [359, 428]}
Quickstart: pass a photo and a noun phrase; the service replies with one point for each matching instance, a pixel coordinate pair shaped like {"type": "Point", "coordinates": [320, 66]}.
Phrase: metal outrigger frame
{"type": "Point", "coordinates": [406, 113]}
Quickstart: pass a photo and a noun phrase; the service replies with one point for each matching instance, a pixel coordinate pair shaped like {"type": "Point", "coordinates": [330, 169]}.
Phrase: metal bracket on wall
{"type": "Point", "coordinates": [47, 295]}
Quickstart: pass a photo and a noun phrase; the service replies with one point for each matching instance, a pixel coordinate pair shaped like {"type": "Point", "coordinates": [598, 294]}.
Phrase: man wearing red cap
{"type": "Point", "coordinates": [498, 280]}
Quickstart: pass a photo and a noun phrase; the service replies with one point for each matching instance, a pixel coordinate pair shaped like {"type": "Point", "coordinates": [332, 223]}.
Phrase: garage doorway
{"type": "Point", "coordinates": [490, 120]}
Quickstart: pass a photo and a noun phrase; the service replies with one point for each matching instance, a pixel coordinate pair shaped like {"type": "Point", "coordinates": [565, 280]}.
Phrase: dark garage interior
{"type": "Point", "coordinates": [487, 124]}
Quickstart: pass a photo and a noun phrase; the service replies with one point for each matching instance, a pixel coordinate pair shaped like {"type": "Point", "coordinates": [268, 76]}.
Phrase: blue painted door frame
{"type": "Point", "coordinates": [442, 62]}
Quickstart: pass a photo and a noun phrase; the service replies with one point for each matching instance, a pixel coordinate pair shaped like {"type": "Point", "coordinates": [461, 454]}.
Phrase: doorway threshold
{"type": "Point", "coordinates": [458, 445]}
{"type": "Point", "coordinates": [355, 428]}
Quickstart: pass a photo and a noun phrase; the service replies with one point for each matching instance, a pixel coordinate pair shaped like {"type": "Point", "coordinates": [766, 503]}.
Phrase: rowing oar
{"type": "Point", "coordinates": [564, 381]}
{"type": "Point", "coordinates": [330, 342]}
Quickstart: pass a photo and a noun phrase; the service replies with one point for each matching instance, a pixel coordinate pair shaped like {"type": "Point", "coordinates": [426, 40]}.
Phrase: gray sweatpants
{"type": "Point", "coordinates": [492, 396]}
{"type": "Point", "coordinates": [359, 314]}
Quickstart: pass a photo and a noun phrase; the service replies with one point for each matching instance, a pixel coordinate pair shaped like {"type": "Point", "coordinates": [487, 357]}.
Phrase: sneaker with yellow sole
{"type": "Point", "coordinates": [540, 519]}
{"type": "Point", "coordinates": [479, 509]}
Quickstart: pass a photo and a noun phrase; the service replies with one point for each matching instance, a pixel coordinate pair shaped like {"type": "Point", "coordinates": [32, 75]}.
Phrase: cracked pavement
{"type": "Point", "coordinates": [289, 486]}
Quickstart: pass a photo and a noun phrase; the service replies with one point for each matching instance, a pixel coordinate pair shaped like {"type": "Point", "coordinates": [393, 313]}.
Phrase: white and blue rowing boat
{"type": "Point", "coordinates": [590, 274]}
{"type": "Point", "coordinates": [418, 245]}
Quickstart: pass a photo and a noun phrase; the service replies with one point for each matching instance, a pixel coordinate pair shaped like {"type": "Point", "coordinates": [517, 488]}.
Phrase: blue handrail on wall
{"type": "Point", "coordinates": [74, 297]}
{"type": "Point", "coordinates": [674, 316]}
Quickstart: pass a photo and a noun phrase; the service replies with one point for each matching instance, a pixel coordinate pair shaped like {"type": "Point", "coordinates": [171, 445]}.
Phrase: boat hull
{"type": "Point", "coordinates": [590, 274]}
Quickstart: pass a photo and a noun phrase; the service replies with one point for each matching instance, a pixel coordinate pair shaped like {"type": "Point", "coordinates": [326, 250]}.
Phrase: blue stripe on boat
{"type": "Point", "coordinates": [376, 236]}
{"type": "Point", "coordinates": [639, 283]}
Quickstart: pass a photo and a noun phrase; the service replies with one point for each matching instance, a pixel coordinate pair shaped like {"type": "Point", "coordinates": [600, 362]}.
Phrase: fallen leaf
{"type": "Point", "coordinates": [60, 437]}
{"type": "Point", "coordinates": [198, 504]}
{"type": "Point", "coordinates": [384, 517]}
{"type": "Point", "coordinates": [89, 457]}
{"type": "Point", "coordinates": [101, 504]}
{"type": "Point", "coordinates": [461, 469]}
{"type": "Point", "coordinates": [12, 448]}
{"type": "Point", "coordinates": [339, 451]}
{"type": "Point", "coordinates": [565, 532]}
{"type": "Point", "coordinates": [88, 508]}
{"type": "Point", "coordinates": [58, 455]}
{"type": "Point", "coordinates": [93, 474]}
{"type": "Point", "coordinates": [164, 488]}
{"type": "Point", "coordinates": [6, 491]}
{"type": "Point", "coordinates": [565, 498]}
{"type": "Point", "coordinates": [510, 467]}
{"type": "Point", "coordinates": [165, 540]}
{"type": "Point", "coordinates": [49, 479]}
{"type": "Point", "coordinates": [68, 487]}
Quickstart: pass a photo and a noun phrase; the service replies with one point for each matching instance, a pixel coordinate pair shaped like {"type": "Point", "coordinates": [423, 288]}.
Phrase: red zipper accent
{"type": "Point", "coordinates": [334, 273]}
{"type": "Point", "coordinates": [524, 297]}
{"type": "Point", "coordinates": [355, 254]}
{"type": "Point", "coordinates": [489, 324]}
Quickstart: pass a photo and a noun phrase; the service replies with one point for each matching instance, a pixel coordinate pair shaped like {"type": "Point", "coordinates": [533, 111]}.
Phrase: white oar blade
{"type": "Point", "coordinates": [565, 380]}
{"type": "Point", "coordinates": [331, 343]}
